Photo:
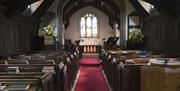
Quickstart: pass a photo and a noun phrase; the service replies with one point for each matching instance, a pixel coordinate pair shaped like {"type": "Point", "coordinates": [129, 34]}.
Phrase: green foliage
{"type": "Point", "coordinates": [136, 35]}
{"type": "Point", "coordinates": [135, 40]}
{"type": "Point", "coordinates": [47, 31]}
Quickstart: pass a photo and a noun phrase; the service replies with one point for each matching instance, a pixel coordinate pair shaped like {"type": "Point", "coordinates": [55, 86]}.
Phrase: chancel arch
{"type": "Point", "coordinates": [104, 30]}
{"type": "Point", "coordinates": [114, 9]}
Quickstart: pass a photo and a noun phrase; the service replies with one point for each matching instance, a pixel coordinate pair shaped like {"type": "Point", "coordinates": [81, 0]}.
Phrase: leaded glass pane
{"type": "Point", "coordinates": [94, 24]}
{"type": "Point", "coordinates": [88, 26]}
{"type": "Point", "coordinates": [83, 32]}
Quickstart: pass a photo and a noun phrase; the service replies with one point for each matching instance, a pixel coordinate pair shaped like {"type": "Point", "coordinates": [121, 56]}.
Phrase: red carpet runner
{"type": "Point", "coordinates": [91, 77]}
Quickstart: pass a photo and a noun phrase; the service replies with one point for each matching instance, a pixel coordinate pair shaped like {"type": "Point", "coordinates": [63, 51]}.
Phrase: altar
{"type": "Point", "coordinates": [90, 45]}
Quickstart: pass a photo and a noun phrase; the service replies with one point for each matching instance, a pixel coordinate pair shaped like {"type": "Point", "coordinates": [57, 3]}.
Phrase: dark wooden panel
{"type": "Point", "coordinates": [16, 34]}
{"type": "Point", "coordinates": [163, 33]}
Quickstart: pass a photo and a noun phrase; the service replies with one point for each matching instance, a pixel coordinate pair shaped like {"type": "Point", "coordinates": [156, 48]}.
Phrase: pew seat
{"type": "Point", "coordinates": [42, 80]}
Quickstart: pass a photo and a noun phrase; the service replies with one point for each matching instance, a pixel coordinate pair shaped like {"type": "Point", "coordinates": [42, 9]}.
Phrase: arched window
{"type": "Point", "coordinates": [88, 26]}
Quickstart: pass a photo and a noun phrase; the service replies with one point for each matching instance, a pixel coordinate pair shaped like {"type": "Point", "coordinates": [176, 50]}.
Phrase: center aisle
{"type": "Point", "coordinates": [91, 77]}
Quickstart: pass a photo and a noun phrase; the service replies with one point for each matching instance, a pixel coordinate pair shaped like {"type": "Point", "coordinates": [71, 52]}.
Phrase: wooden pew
{"type": "Point", "coordinates": [122, 74]}
{"type": "Point", "coordinates": [6, 86]}
{"type": "Point", "coordinates": [55, 69]}
{"type": "Point", "coordinates": [40, 80]}
{"type": "Point", "coordinates": [162, 74]}
{"type": "Point", "coordinates": [124, 69]}
{"type": "Point", "coordinates": [36, 65]}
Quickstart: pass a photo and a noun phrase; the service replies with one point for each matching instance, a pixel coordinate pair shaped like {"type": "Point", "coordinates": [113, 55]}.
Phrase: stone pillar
{"type": "Point", "coordinates": [60, 28]}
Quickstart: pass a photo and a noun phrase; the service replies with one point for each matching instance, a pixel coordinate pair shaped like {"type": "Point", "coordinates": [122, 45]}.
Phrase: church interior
{"type": "Point", "coordinates": [89, 45]}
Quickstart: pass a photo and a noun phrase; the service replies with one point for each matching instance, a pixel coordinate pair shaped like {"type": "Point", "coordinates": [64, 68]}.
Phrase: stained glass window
{"type": "Point", "coordinates": [88, 26]}
{"type": "Point", "coordinates": [83, 32]}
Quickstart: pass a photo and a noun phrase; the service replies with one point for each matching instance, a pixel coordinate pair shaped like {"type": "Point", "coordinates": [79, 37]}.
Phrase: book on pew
{"type": "Point", "coordinates": [130, 61]}
{"type": "Point", "coordinates": [19, 87]}
{"type": "Point", "coordinates": [48, 69]}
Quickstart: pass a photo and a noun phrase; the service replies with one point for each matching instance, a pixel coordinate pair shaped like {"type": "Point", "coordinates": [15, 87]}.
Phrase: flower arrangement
{"type": "Point", "coordinates": [136, 35]}
{"type": "Point", "coordinates": [135, 39]}
{"type": "Point", "coordinates": [47, 31]}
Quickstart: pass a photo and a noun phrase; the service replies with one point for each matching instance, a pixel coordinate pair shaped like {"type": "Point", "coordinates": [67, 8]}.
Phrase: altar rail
{"type": "Point", "coordinates": [90, 48]}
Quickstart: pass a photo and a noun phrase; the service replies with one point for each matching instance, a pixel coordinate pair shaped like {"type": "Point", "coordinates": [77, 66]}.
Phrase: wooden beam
{"type": "Point", "coordinates": [24, 4]}
{"type": "Point", "coordinates": [139, 8]}
{"type": "Point", "coordinates": [157, 4]}
{"type": "Point", "coordinates": [16, 5]}
{"type": "Point", "coordinates": [42, 8]}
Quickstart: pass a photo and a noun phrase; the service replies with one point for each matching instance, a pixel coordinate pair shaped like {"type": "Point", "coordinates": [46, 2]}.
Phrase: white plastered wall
{"type": "Point", "coordinates": [104, 29]}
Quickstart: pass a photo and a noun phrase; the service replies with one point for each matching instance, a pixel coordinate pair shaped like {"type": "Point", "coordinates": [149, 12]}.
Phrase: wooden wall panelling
{"type": "Point", "coordinates": [147, 33]}
{"type": "Point", "coordinates": [160, 37]}
{"type": "Point", "coordinates": [177, 37]}
{"type": "Point", "coordinates": [163, 33]}
{"type": "Point", "coordinates": [2, 35]}
{"type": "Point", "coordinates": [3, 43]}
{"type": "Point", "coordinates": [178, 33]}
{"type": "Point", "coordinates": [153, 38]}
{"type": "Point", "coordinates": [12, 39]}
{"type": "Point", "coordinates": [16, 33]}
{"type": "Point", "coordinates": [170, 37]}
{"type": "Point", "coordinates": [8, 42]}
{"type": "Point", "coordinates": [156, 37]}
{"type": "Point", "coordinates": [21, 38]}
{"type": "Point", "coordinates": [1, 38]}
{"type": "Point", "coordinates": [18, 39]}
{"type": "Point", "coordinates": [28, 38]}
{"type": "Point", "coordinates": [24, 38]}
{"type": "Point", "coordinates": [166, 36]}
{"type": "Point", "coordinates": [174, 38]}
{"type": "Point", "coordinates": [6, 37]}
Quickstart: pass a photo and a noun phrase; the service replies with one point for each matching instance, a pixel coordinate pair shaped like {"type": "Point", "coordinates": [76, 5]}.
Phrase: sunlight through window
{"type": "Point", "coordinates": [88, 26]}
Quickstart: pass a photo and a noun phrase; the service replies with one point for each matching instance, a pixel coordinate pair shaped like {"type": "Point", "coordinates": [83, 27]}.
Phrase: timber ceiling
{"type": "Point", "coordinates": [110, 7]}
{"type": "Point", "coordinates": [107, 6]}
{"type": "Point", "coordinates": [172, 6]}
{"type": "Point", "coordinates": [20, 5]}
